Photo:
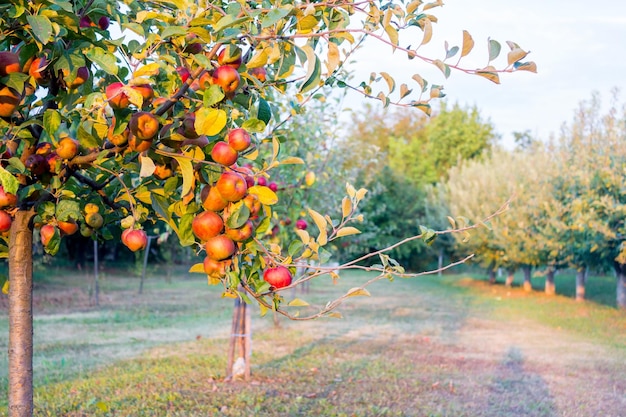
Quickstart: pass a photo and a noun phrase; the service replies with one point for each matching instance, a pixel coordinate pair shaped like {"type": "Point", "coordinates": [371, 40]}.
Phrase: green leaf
{"type": "Point", "coordinates": [51, 122]}
{"type": "Point", "coordinates": [185, 233]}
{"type": "Point", "coordinates": [274, 15]}
{"type": "Point", "coordinates": [160, 206]}
{"type": "Point", "coordinates": [54, 244]}
{"type": "Point", "coordinates": [314, 72]}
{"type": "Point", "coordinates": [9, 182]}
{"type": "Point", "coordinates": [494, 49]}
{"type": "Point", "coordinates": [212, 95]}
{"type": "Point", "coordinates": [41, 27]}
{"type": "Point", "coordinates": [254, 125]}
{"type": "Point", "coordinates": [295, 247]}
{"type": "Point", "coordinates": [265, 112]}
{"type": "Point", "coordinates": [170, 31]}
{"type": "Point", "coordinates": [86, 139]}
{"type": "Point", "coordinates": [238, 216]}
{"type": "Point", "coordinates": [16, 81]}
{"type": "Point", "coordinates": [16, 163]}
{"type": "Point", "coordinates": [68, 209]}
{"type": "Point", "coordinates": [452, 52]}
{"type": "Point", "coordinates": [103, 59]}
{"type": "Point", "coordinates": [287, 62]}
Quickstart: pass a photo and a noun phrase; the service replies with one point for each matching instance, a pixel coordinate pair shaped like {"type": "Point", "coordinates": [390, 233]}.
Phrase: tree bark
{"type": "Point", "coordinates": [492, 276]}
{"type": "Point", "coordinates": [581, 281]}
{"type": "Point", "coordinates": [527, 269]}
{"type": "Point", "coordinates": [21, 315]}
{"type": "Point", "coordinates": [550, 287]}
{"type": "Point", "coordinates": [620, 270]}
{"type": "Point", "coordinates": [510, 276]}
{"type": "Point", "coordinates": [145, 265]}
{"type": "Point", "coordinates": [440, 262]}
{"type": "Point", "coordinates": [96, 281]}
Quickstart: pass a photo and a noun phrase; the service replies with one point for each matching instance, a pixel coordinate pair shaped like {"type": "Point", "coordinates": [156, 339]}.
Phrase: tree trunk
{"type": "Point", "coordinates": [581, 281]}
{"type": "Point", "coordinates": [510, 276]}
{"type": "Point", "coordinates": [620, 270]}
{"type": "Point", "coordinates": [21, 315]}
{"type": "Point", "coordinates": [492, 276]}
{"type": "Point", "coordinates": [550, 287]}
{"type": "Point", "coordinates": [239, 352]}
{"type": "Point", "coordinates": [527, 269]}
{"type": "Point", "coordinates": [96, 282]}
{"type": "Point", "coordinates": [440, 262]}
{"type": "Point", "coordinates": [145, 265]}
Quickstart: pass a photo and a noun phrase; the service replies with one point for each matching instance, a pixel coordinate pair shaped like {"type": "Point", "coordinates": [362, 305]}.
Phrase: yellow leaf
{"type": "Point", "coordinates": [491, 76]}
{"type": "Point", "coordinates": [390, 81]}
{"type": "Point", "coordinates": [186, 168]}
{"type": "Point", "coordinates": [412, 6]}
{"type": "Point", "coordinates": [527, 66]}
{"type": "Point", "coordinates": [228, 294]}
{"type": "Point", "coordinates": [259, 59]}
{"type": "Point", "coordinates": [150, 69]}
{"type": "Point", "coordinates": [263, 309]}
{"type": "Point", "coordinates": [428, 31]}
{"type": "Point", "coordinates": [346, 207]}
{"type": "Point", "coordinates": [5, 287]}
{"type": "Point", "coordinates": [211, 280]}
{"type": "Point", "coordinates": [516, 55]}
{"type": "Point", "coordinates": [350, 189]}
{"type": "Point", "coordinates": [210, 121]}
{"type": "Point", "coordinates": [319, 220]}
{"type": "Point", "coordinates": [360, 194]}
{"type": "Point", "coordinates": [133, 95]}
{"type": "Point", "coordinates": [264, 194]}
{"type": "Point", "coordinates": [296, 302]}
{"type": "Point", "coordinates": [304, 236]}
{"type": "Point", "coordinates": [197, 268]}
{"type": "Point", "coordinates": [307, 23]}
{"type": "Point", "coordinates": [347, 231]}
{"type": "Point", "coordinates": [419, 80]}
{"type": "Point", "coordinates": [322, 239]}
{"type": "Point", "coordinates": [334, 314]}
{"type": "Point", "coordinates": [393, 34]}
{"type": "Point", "coordinates": [147, 166]}
{"type": "Point", "coordinates": [144, 197]}
{"type": "Point", "coordinates": [356, 292]}
{"type": "Point", "coordinates": [333, 57]}
{"type": "Point", "coordinates": [468, 43]}
{"type": "Point", "coordinates": [294, 160]}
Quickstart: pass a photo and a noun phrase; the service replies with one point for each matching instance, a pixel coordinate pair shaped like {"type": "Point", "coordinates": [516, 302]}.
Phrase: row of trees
{"type": "Point", "coordinates": [567, 201]}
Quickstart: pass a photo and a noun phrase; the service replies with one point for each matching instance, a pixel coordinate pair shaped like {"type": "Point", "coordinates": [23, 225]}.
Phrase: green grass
{"type": "Point", "coordinates": [397, 353]}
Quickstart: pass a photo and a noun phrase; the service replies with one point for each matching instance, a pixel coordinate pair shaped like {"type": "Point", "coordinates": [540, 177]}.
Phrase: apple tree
{"type": "Point", "coordinates": [116, 114]}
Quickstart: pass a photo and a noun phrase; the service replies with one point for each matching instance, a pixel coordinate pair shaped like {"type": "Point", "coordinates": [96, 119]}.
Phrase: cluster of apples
{"type": "Point", "coordinates": [7, 201]}
{"type": "Point", "coordinates": [93, 220]}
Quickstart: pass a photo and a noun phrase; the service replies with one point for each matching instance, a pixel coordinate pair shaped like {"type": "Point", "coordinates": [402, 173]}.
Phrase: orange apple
{"type": "Point", "coordinates": [219, 247]}
{"type": "Point", "coordinates": [162, 171]}
{"type": "Point", "coordinates": [5, 221]}
{"type": "Point", "coordinates": [9, 100]}
{"type": "Point", "coordinates": [146, 91]}
{"type": "Point", "coordinates": [137, 145]}
{"type": "Point", "coordinates": [9, 62]}
{"type": "Point", "coordinates": [117, 98]}
{"type": "Point", "coordinates": [46, 233]}
{"type": "Point", "coordinates": [259, 73]}
{"type": "Point", "coordinates": [212, 199]}
{"type": "Point", "coordinates": [134, 239]}
{"type": "Point", "coordinates": [239, 139]}
{"type": "Point", "coordinates": [144, 125]}
{"type": "Point", "coordinates": [39, 71]}
{"type": "Point", "coordinates": [224, 154]}
{"type": "Point", "coordinates": [206, 225]}
{"type": "Point", "coordinates": [230, 55]}
{"type": "Point", "coordinates": [7, 199]}
{"type": "Point", "coordinates": [253, 204]}
{"type": "Point", "coordinates": [216, 268]}
{"type": "Point", "coordinates": [67, 148]}
{"type": "Point", "coordinates": [68, 228]}
{"type": "Point", "coordinates": [242, 233]}
{"type": "Point", "coordinates": [232, 186]}
{"type": "Point", "coordinates": [278, 277]}
{"type": "Point", "coordinates": [226, 77]}
{"type": "Point", "coordinates": [82, 75]}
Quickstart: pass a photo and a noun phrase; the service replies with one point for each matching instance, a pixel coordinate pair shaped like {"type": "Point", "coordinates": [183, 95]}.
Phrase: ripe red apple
{"type": "Point", "coordinates": [85, 22]}
{"type": "Point", "coordinates": [253, 204]}
{"type": "Point", "coordinates": [242, 233]}
{"type": "Point", "coordinates": [36, 164]}
{"type": "Point", "coordinates": [232, 186]}
{"type": "Point", "coordinates": [212, 199]}
{"type": "Point", "coordinates": [163, 171]}
{"type": "Point", "coordinates": [239, 139]}
{"type": "Point", "coordinates": [138, 145]}
{"type": "Point", "coordinates": [207, 225]}
{"type": "Point", "coordinates": [278, 277]}
{"type": "Point", "coordinates": [134, 239]}
{"type": "Point", "coordinates": [247, 174]}
{"type": "Point", "coordinates": [68, 228]}
{"type": "Point", "coordinates": [260, 73]}
{"type": "Point", "coordinates": [202, 83]}
{"type": "Point", "coordinates": [117, 98]}
{"type": "Point", "coordinates": [39, 71]}
{"type": "Point", "coordinates": [46, 233]}
{"type": "Point", "coordinates": [183, 73]}
{"type": "Point", "coordinates": [227, 78]}
{"type": "Point", "coordinates": [9, 100]}
{"type": "Point", "coordinates": [188, 129]}
{"type": "Point", "coordinates": [146, 91]}
{"type": "Point", "coordinates": [301, 224]}
{"type": "Point", "coordinates": [261, 181]}
{"type": "Point", "coordinates": [144, 125]}
{"type": "Point", "coordinates": [7, 199]}
{"type": "Point", "coordinates": [273, 186]}
{"type": "Point", "coordinates": [216, 268]}
{"type": "Point", "coordinates": [219, 247]}
{"type": "Point", "coordinates": [9, 62]}
{"type": "Point", "coordinates": [5, 221]}
{"type": "Point", "coordinates": [224, 154]}
{"type": "Point", "coordinates": [103, 22]}
{"type": "Point", "coordinates": [67, 148]}
{"type": "Point", "coordinates": [54, 163]}
{"type": "Point", "coordinates": [230, 55]}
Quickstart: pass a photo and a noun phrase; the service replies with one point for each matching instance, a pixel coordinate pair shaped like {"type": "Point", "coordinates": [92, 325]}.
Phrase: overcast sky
{"type": "Point", "coordinates": [579, 48]}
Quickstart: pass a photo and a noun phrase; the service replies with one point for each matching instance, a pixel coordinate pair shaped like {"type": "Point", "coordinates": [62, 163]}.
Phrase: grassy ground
{"type": "Point", "coordinates": [426, 347]}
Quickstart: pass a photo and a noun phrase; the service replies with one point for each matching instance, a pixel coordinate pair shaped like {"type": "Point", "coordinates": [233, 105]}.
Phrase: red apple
{"type": "Point", "coordinates": [36, 164]}
{"type": "Point", "coordinates": [46, 233]}
{"type": "Point", "coordinates": [7, 199]}
{"type": "Point", "coordinates": [232, 186]}
{"type": "Point", "coordinates": [117, 98]}
{"type": "Point", "coordinates": [278, 277]}
{"type": "Point", "coordinates": [301, 224]}
{"type": "Point", "coordinates": [39, 71]}
{"type": "Point", "coordinates": [144, 125]}
{"type": "Point", "coordinates": [215, 268]}
{"type": "Point", "coordinates": [207, 225]}
{"type": "Point", "coordinates": [68, 228]}
{"type": "Point", "coordinates": [212, 199]}
{"type": "Point", "coordinates": [253, 204]}
{"type": "Point", "coordinates": [103, 22]}
{"type": "Point", "coordinates": [67, 148]}
{"type": "Point", "coordinates": [239, 139]}
{"type": "Point", "coordinates": [273, 186]}
{"type": "Point", "coordinates": [134, 239]}
{"type": "Point", "coordinates": [261, 181]}
{"type": "Point", "coordinates": [227, 78]}
{"type": "Point", "coordinates": [9, 62]}
{"type": "Point", "coordinates": [183, 73]}
{"type": "Point", "coordinates": [5, 221]}
{"type": "Point", "coordinates": [219, 247]}
{"type": "Point", "coordinates": [259, 73]}
{"type": "Point", "coordinates": [146, 91]}
{"type": "Point", "coordinates": [224, 154]}
{"type": "Point", "coordinates": [242, 233]}
{"type": "Point", "coordinates": [82, 75]}
{"type": "Point", "coordinates": [54, 163]}
{"type": "Point", "coordinates": [230, 55]}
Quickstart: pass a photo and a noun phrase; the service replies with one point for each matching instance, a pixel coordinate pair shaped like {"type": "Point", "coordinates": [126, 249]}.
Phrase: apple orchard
{"type": "Point", "coordinates": [116, 115]}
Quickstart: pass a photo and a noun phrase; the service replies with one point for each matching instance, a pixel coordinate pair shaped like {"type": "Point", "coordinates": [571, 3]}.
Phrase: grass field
{"type": "Point", "coordinates": [450, 346]}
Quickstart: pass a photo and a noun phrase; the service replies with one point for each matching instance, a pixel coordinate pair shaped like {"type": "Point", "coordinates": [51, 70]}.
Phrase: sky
{"type": "Point", "coordinates": [578, 46]}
